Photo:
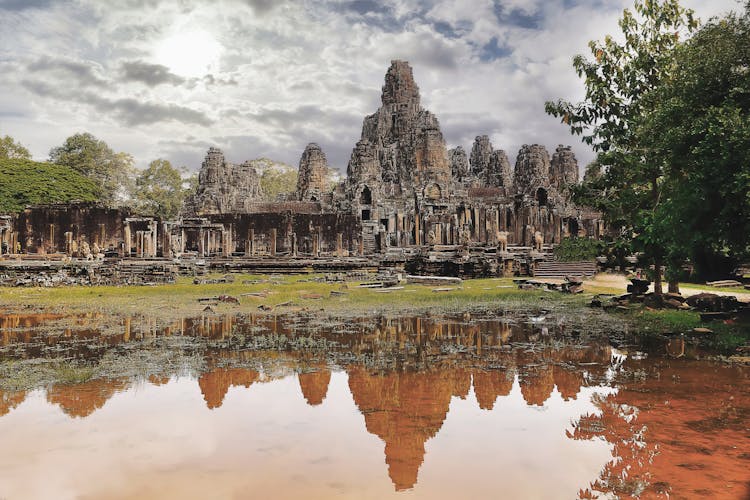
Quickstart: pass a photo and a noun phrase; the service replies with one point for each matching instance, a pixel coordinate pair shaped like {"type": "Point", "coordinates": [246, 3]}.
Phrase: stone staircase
{"type": "Point", "coordinates": [553, 269]}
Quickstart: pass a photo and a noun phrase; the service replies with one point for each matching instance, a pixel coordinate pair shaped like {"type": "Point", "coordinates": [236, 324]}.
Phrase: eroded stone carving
{"type": "Point", "coordinates": [223, 187]}
{"type": "Point", "coordinates": [312, 181]}
{"type": "Point", "coordinates": [459, 163]}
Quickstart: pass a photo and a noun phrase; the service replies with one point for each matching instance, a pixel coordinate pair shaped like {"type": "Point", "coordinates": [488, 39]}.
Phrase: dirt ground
{"type": "Point", "coordinates": [619, 281]}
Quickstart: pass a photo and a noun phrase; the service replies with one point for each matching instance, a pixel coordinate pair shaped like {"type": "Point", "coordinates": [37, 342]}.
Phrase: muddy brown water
{"type": "Point", "coordinates": [244, 406]}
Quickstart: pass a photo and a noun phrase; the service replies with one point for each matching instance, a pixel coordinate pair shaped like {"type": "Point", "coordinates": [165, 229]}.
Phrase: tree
{"type": "Point", "coordinates": [275, 182]}
{"type": "Point", "coordinates": [26, 182]}
{"type": "Point", "coordinates": [112, 172]}
{"type": "Point", "coordinates": [698, 127]}
{"type": "Point", "coordinates": [617, 81]}
{"type": "Point", "coordinates": [12, 150]}
{"type": "Point", "coordinates": [159, 190]}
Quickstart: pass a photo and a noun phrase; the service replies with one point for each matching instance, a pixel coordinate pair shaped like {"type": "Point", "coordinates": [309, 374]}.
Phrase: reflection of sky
{"type": "Point", "coordinates": [265, 441]}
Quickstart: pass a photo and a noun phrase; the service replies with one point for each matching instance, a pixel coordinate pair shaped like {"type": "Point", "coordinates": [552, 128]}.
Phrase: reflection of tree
{"type": "Point", "coordinates": [678, 428]}
{"type": "Point", "coordinates": [81, 400]}
{"type": "Point", "coordinates": [314, 386]}
{"type": "Point", "coordinates": [9, 400]}
{"type": "Point", "coordinates": [405, 409]}
{"type": "Point", "coordinates": [216, 383]}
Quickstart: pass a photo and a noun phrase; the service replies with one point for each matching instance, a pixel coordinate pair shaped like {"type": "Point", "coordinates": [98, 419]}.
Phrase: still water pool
{"type": "Point", "coordinates": [283, 407]}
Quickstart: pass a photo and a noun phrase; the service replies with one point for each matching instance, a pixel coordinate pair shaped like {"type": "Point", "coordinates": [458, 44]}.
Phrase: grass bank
{"type": "Point", "coordinates": [288, 293]}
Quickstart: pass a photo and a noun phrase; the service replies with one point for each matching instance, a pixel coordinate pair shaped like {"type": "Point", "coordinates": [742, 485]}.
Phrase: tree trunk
{"type": "Point", "coordinates": [657, 277]}
{"type": "Point", "coordinates": [674, 286]}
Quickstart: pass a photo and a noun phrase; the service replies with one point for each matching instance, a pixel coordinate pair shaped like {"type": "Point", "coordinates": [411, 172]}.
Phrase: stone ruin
{"type": "Point", "coordinates": [224, 187]}
{"type": "Point", "coordinates": [406, 198]}
{"type": "Point", "coordinates": [314, 173]}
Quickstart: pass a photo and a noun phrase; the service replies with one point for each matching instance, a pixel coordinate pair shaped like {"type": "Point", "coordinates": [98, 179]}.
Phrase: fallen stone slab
{"type": "Point", "coordinates": [229, 299]}
{"type": "Point", "coordinates": [703, 330]}
{"type": "Point", "coordinates": [724, 283]}
{"type": "Point", "coordinates": [714, 316]}
{"type": "Point", "coordinates": [433, 280]}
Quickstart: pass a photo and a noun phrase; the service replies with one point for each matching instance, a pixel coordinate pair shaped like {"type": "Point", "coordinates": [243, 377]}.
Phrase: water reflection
{"type": "Point", "coordinates": [555, 416]}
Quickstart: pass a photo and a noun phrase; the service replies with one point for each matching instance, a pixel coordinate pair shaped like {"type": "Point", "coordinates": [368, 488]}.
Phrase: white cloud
{"type": "Point", "coordinates": [287, 73]}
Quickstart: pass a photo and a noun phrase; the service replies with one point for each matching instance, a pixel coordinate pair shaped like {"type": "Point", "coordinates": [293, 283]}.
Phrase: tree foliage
{"type": "Point", "coordinates": [277, 182]}
{"type": "Point", "coordinates": [10, 149]}
{"type": "Point", "coordinates": [25, 182]}
{"type": "Point", "coordinates": [617, 81]}
{"type": "Point", "coordinates": [575, 249]}
{"type": "Point", "coordinates": [112, 172]}
{"type": "Point", "coordinates": [698, 126]}
{"type": "Point", "coordinates": [160, 190]}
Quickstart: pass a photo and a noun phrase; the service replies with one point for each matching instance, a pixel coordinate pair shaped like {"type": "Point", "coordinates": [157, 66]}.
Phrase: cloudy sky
{"type": "Point", "coordinates": [168, 79]}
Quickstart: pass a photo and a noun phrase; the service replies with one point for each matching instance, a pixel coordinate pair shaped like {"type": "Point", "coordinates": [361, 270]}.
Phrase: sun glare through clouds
{"type": "Point", "coordinates": [190, 53]}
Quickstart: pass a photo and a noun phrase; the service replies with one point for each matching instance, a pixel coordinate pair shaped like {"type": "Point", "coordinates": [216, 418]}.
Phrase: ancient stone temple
{"type": "Point", "coordinates": [406, 201]}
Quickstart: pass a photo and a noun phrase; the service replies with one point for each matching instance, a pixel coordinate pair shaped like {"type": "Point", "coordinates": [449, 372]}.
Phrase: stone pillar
{"type": "Point", "coordinates": [139, 244]}
{"type": "Point", "coordinates": [294, 244]}
{"type": "Point", "coordinates": [476, 228]}
{"type": "Point", "coordinates": [251, 242]}
{"type": "Point", "coordinates": [182, 240]}
{"type": "Point", "coordinates": [127, 236]}
{"type": "Point", "coordinates": [417, 229]}
{"type": "Point", "coordinates": [201, 242]}
{"type": "Point", "coordinates": [340, 244]}
{"type": "Point", "coordinates": [51, 238]}
{"type": "Point", "coordinates": [154, 237]}
{"type": "Point", "coordinates": [361, 245]}
{"type": "Point", "coordinates": [273, 241]}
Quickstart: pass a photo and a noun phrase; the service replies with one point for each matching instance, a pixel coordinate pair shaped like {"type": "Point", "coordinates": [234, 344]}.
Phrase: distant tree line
{"type": "Point", "coordinates": [110, 177]}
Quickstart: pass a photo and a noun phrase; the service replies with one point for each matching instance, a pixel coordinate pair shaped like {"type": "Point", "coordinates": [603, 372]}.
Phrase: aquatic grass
{"type": "Point", "coordinates": [72, 374]}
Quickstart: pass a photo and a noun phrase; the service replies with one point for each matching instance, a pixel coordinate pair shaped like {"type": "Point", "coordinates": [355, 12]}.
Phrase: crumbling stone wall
{"type": "Point", "coordinates": [42, 229]}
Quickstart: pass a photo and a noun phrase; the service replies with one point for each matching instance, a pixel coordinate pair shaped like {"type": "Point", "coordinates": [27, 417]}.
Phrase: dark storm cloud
{"type": "Point", "coordinates": [377, 14]}
{"type": "Point", "coordinates": [128, 110]}
{"type": "Point", "coordinates": [261, 6]}
{"type": "Point", "coordinates": [149, 74]}
{"type": "Point", "coordinates": [133, 112]}
{"type": "Point", "coordinates": [82, 72]}
{"type": "Point", "coordinates": [363, 7]}
{"type": "Point", "coordinates": [24, 4]}
{"type": "Point", "coordinates": [493, 50]}
{"type": "Point", "coordinates": [210, 79]}
{"type": "Point", "coordinates": [516, 17]}
{"type": "Point", "coordinates": [454, 31]}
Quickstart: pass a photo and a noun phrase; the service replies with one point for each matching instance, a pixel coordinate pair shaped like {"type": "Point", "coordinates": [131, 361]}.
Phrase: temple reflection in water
{"type": "Point", "coordinates": [403, 375]}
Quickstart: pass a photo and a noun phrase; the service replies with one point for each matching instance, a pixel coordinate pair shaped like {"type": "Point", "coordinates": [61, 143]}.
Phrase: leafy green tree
{"type": "Point", "coordinates": [26, 182]}
{"type": "Point", "coordinates": [159, 190]}
{"type": "Point", "coordinates": [12, 150]}
{"type": "Point", "coordinates": [698, 127]}
{"type": "Point", "coordinates": [112, 172]}
{"type": "Point", "coordinates": [617, 80]}
{"type": "Point", "coordinates": [275, 182]}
